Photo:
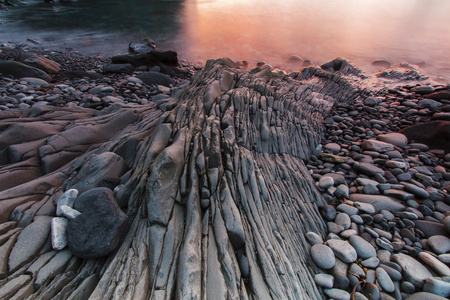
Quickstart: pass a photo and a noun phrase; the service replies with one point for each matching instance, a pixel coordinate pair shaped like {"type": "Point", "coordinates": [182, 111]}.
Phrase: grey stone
{"type": "Point", "coordinates": [393, 164]}
{"type": "Point", "coordinates": [402, 195]}
{"type": "Point", "coordinates": [387, 215]}
{"type": "Point", "coordinates": [371, 189]}
{"type": "Point", "coordinates": [412, 270]}
{"type": "Point", "coordinates": [378, 146]}
{"type": "Point", "coordinates": [435, 264]}
{"type": "Point", "coordinates": [439, 243]}
{"type": "Point", "coordinates": [419, 192]}
{"type": "Point", "coordinates": [384, 244]}
{"type": "Point", "coordinates": [342, 191]}
{"type": "Point", "coordinates": [349, 210]}
{"type": "Point", "coordinates": [325, 281]}
{"type": "Point", "coordinates": [437, 286]}
{"type": "Point", "coordinates": [363, 248]}
{"type": "Point", "coordinates": [20, 70]}
{"type": "Point", "coordinates": [29, 242]}
{"type": "Point", "coordinates": [430, 228]}
{"type": "Point", "coordinates": [369, 169]}
{"type": "Point", "coordinates": [445, 258]}
{"type": "Point", "coordinates": [425, 296]}
{"type": "Point", "coordinates": [384, 280]}
{"type": "Point", "coordinates": [394, 138]}
{"type": "Point", "coordinates": [395, 274]}
{"type": "Point", "coordinates": [36, 81]}
{"type": "Point", "coordinates": [118, 68]}
{"type": "Point", "coordinates": [55, 266]}
{"type": "Point", "coordinates": [99, 167]}
{"type": "Point", "coordinates": [333, 147]}
{"type": "Point", "coordinates": [372, 262]}
{"type": "Point", "coordinates": [365, 181]}
{"type": "Point", "coordinates": [313, 238]}
{"type": "Point", "coordinates": [323, 256]}
{"type": "Point", "coordinates": [429, 103]}
{"type": "Point", "coordinates": [325, 182]}
{"type": "Point", "coordinates": [423, 89]}
{"type": "Point", "coordinates": [334, 228]}
{"type": "Point", "coordinates": [372, 101]}
{"type": "Point", "coordinates": [408, 287]}
{"type": "Point", "coordinates": [155, 78]}
{"type": "Point", "coordinates": [337, 294]}
{"type": "Point", "coordinates": [378, 202]}
{"type": "Point", "coordinates": [342, 219]}
{"type": "Point", "coordinates": [365, 207]}
{"type": "Point", "coordinates": [343, 250]}
{"type": "Point", "coordinates": [328, 212]}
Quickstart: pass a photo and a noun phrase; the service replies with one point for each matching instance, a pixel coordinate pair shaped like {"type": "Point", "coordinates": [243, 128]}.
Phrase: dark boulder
{"type": "Point", "coordinates": [118, 68]}
{"type": "Point", "coordinates": [147, 46]}
{"type": "Point", "coordinates": [440, 95]}
{"type": "Point", "coordinates": [100, 228]}
{"type": "Point", "coordinates": [98, 168]}
{"type": "Point", "coordinates": [80, 74]}
{"type": "Point", "coordinates": [150, 78]}
{"type": "Point", "coordinates": [154, 58]}
{"type": "Point", "coordinates": [435, 134]}
{"type": "Point", "coordinates": [20, 70]}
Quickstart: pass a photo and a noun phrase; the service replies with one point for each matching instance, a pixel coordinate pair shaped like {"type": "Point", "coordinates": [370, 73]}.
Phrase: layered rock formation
{"type": "Point", "coordinates": [212, 179]}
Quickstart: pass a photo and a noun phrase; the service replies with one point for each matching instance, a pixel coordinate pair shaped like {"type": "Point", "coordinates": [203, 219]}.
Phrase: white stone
{"type": "Point", "coordinates": [69, 212]}
{"type": "Point", "coordinates": [68, 198]}
{"type": "Point", "coordinates": [58, 229]}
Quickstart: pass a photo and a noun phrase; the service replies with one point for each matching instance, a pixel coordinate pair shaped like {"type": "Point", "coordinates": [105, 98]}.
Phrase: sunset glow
{"type": "Point", "coordinates": [255, 30]}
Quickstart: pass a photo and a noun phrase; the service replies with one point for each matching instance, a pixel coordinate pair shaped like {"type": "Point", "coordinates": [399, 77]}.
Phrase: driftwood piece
{"type": "Point", "coordinates": [218, 192]}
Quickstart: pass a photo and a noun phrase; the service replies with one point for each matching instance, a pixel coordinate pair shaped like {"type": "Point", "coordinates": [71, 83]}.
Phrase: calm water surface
{"type": "Point", "coordinates": [416, 31]}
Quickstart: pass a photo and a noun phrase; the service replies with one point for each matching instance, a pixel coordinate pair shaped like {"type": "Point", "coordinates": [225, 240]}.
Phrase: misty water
{"type": "Point", "coordinates": [415, 31]}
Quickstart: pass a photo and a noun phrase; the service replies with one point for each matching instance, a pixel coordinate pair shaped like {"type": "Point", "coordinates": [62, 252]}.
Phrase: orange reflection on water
{"type": "Point", "coordinates": [271, 31]}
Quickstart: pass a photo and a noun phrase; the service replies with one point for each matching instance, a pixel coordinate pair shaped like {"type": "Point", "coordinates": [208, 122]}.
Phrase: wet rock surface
{"type": "Point", "coordinates": [227, 184]}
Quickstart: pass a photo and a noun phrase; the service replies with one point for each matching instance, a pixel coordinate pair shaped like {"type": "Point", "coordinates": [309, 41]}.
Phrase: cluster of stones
{"type": "Point", "coordinates": [100, 86]}
{"type": "Point", "coordinates": [388, 209]}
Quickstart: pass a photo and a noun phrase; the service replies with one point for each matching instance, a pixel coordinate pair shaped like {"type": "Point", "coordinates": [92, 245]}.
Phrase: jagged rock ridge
{"type": "Point", "coordinates": [218, 193]}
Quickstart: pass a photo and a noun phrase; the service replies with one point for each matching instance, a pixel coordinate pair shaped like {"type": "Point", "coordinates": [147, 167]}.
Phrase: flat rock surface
{"type": "Point", "coordinates": [413, 270]}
